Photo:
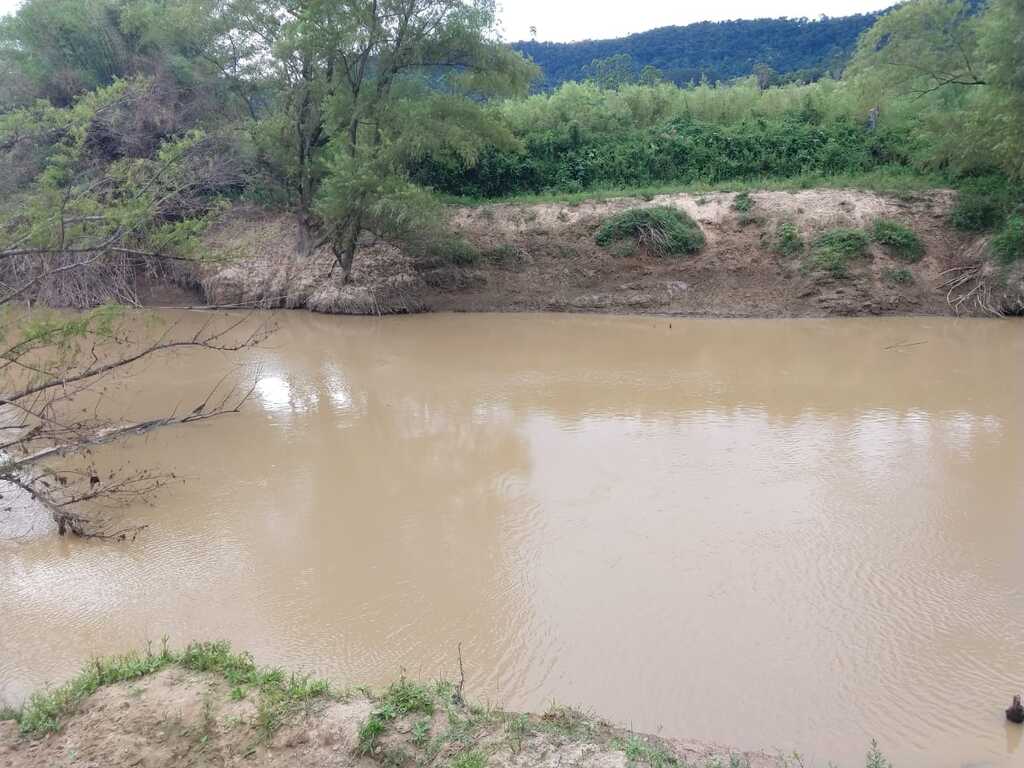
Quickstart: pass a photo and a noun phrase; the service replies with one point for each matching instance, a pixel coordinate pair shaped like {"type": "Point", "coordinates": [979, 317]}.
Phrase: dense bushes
{"type": "Point", "coordinates": [984, 202]}
{"type": "Point", "coordinates": [662, 230]}
{"type": "Point", "coordinates": [1008, 245]}
{"type": "Point", "coordinates": [678, 152]}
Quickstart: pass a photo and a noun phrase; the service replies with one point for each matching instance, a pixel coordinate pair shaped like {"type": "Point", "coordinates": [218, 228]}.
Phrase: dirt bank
{"type": "Point", "coordinates": [543, 257]}
{"type": "Point", "coordinates": [177, 716]}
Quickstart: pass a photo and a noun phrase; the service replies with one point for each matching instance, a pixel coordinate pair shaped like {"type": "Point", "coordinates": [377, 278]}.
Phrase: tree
{"type": "Point", "coordinates": [651, 76]}
{"type": "Point", "coordinates": [765, 76]}
{"type": "Point", "coordinates": [50, 365]}
{"type": "Point", "coordinates": [110, 186]}
{"type": "Point", "coordinates": [1001, 108]}
{"type": "Point", "coordinates": [921, 47]}
{"type": "Point", "coordinates": [612, 73]}
{"type": "Point", "coordinates": [961, 70]}
{"type": "Point", "coordinates": [380, 83]}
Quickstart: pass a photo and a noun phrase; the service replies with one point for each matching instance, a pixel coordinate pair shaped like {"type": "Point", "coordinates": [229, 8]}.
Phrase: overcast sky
{"type": "Point", "coordinates": [563, 20]}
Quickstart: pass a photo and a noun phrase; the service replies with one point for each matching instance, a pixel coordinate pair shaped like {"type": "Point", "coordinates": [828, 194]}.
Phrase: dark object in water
{"type": "Point", "coordinates": [1015, 714]}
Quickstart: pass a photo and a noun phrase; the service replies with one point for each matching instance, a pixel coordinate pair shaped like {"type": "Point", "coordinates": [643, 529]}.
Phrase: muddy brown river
{"type": "Point", "coordinates": [788, 534]}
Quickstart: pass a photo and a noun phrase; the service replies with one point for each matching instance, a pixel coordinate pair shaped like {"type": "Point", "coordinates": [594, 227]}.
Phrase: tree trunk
{"type": "Point", "coordinates": [345, 251]}
{"type": "Point", "coordinates": [305, 236]}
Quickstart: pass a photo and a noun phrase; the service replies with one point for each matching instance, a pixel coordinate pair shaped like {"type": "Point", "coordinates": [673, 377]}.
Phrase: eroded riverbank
{"type": "Point", "coordinates": [209, 706]}
{"type": "Point", "coordinates": [543, 257]}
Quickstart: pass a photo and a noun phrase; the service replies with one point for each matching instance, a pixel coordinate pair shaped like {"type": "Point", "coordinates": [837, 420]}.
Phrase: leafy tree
{"type": "Point", "coordinates": [613, 72]}
{"type": "Point", "coordinates": [921, 47]}
{"type": "Point", "coordinates": [392, 81]}
{"type": "Point", "coordinates": [956, 72]}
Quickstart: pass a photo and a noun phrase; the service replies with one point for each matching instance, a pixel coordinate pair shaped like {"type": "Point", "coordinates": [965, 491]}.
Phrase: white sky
{"type": "Point", "coordinates": [562, 20]}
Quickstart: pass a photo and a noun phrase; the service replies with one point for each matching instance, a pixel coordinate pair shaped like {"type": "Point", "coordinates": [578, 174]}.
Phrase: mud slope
{"type": "Point", "coordinates": [543, 257]}
{"type": "Point", "coordinates": [178, 718]}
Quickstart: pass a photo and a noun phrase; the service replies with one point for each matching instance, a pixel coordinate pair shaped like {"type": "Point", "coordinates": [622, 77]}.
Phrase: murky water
{"type": "Point", "coordinates": [772, 534]}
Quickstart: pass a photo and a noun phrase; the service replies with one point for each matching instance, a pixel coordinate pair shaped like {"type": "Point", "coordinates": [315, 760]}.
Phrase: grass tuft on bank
{"type": "Point", "coordinates": [280, 693]}
{"type": "Point", "coordinates": [834, 249]}
{"type": "Point", "coordinates": [900, 241]}
{"type": "Point", "coordinates": [663, 230]}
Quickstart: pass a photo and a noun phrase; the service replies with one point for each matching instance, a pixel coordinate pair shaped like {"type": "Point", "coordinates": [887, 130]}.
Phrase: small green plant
{"type": "Point", "coordinates": [897, 276]}
{"type": "Point", "coordinates": [902, 242]}
{"type": "Point", "coordinates": [835, 249]}
{"type": "Point", "coordinates": [787, 240]}
{"type": "Point", "coordinates": [566, 721]}
{"type": "Point", "coordinates": [743, 202]}
{"type": "Point", "coordinates": [875, 758]}
{"type": "Point", "coordinates": [9, 713]}
{"type": "Point", "coordinates": [401, 698]}
{"type": "Point", "coordinates": [1008, 245]}
{"type": "Point", "coordinates": [472, 759]}
{"type": "Point", "coordinates": [640, 752]}
{"type": "Point", "coordinates": [421, 732]}
{"type": "Point", "coordinates": [662, 230]}
{"type": "Point", "coordinates": [517, 728]}
{"type": "Point", "coordinates": [370, 732]}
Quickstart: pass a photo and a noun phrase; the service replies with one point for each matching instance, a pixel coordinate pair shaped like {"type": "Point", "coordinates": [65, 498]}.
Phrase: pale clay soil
{"type": "Point", "coordinates": [543, 257]}
{"type": "Point", "coordinates": [187, 719]}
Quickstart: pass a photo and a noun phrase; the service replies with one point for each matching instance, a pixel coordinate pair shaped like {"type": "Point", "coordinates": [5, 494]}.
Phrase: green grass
{"type": "Point", "coordinates": [421, 732]}
{"type": "Point", "coordinates": [472, 759]}
{"type": "Point", "coordinates": [902, 242]}
{"type": "Point", "coordinates": [834, 249]}
{"type": "Point", "coordinates": [897, 276]}
{"type": "Point", "coordinates": [569, 722]}
{"type": "Point", "coordinates": [787, 240]}
{"type": "Point", "coordinates": [743, 202]}
{"type": "Point", "coordinates": [640, 752]}
{"type": "Point", "coordinates": [662, 230]}
{"type": "Point", "coordinates": [1008, 245]}
{"type": "Point", "coordinates": [280, 693]}
{"type": "Point", "coordinates": [885, 181]}
{"type": "Point", "coordinates": [401, 698]}
{"type": "Point", "coordinates": [517, 729]}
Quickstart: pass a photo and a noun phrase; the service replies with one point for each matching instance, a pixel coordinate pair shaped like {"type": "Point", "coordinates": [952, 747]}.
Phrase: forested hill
{"type": "Point", "coordinates": [718, 50]}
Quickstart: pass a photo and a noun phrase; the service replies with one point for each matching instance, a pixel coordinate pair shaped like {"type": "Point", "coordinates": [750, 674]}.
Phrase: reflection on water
{"type": "Point", "coordinates": [774, 534]}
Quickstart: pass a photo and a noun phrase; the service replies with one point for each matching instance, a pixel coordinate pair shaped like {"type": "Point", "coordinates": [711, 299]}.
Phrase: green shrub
{"type": "Point", "coordinates": [897, 276]}
{"type": "Point", "coordinates": [983, 204]}
{"type": "Point", "coordinates": [1008, 245]}
{"type": "Point", "coordinates": [742, 202]}
{"type": "Point", "coordinates": [787, 240]}
{"type": "Point", "coordinates": [835, 249]}
{"type": "Point", "coordinates": [902, 242]}
{"type": "Point", "coordinates": [662, 230]}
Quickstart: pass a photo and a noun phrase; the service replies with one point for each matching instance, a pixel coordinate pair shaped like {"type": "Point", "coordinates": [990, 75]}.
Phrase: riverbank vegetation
{"type": "Point", "coordinates": [138, 120]}
{"type": "Point", "coordinates": [207, 702]}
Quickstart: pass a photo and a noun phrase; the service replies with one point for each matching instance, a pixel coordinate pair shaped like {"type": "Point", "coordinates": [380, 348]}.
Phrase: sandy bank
{"type": "Point", "coordinates": [543, 258]}
{"type": "Point", "coordinates": [185, 714]}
